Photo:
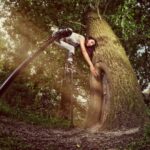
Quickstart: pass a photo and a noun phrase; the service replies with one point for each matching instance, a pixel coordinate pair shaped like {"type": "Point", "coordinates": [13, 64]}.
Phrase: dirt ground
{"type": "Point", "coordinates": [35, 137]}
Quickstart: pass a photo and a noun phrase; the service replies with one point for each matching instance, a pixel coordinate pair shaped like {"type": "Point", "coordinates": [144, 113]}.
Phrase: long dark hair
{"type": "Point", "coordinates": [90, 49]}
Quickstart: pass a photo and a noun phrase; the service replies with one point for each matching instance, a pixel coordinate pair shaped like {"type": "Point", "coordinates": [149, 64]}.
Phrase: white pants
{"type": "Point", "coordinates": [62, 44]}
{"type": "Point", "coordinates": [69, 47]}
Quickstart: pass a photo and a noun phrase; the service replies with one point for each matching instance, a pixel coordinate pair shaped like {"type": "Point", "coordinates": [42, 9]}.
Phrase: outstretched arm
{"type": "Point", "coordinates": [87, 58]}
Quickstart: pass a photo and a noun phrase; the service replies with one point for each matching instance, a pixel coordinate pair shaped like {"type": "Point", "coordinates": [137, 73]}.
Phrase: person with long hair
{"type": "Point", "coordinates": [71, 40]}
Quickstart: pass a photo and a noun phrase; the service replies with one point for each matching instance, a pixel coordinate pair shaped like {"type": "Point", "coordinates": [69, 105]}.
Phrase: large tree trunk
{"type": "Point", "coordinates": [116, 99]}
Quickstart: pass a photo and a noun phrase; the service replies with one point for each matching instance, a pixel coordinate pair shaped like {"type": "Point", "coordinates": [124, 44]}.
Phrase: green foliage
{"type": "Point", "coordinates": [147, 131]}
{"type": "Point", "coordinates": [143, 143]}
{"type": "Point", "coordinates": [62, 13]}
{"type": "Point", "coordinates": [30, 21]}
{"type": "Point", "coordinates": [131, 22]}
{"type": "Point", "coordinates": [129, 19]}
{"type": "Point", "coordinates": [32, 117]}
{"type": "Point", "coordinates": [33, 90]}
{"type": "Point", "coordinates": [124, 18]}
{"type": "Point", "coordinates": [147, 125]}
{"type": "Point", "coordinates": [8, 142]}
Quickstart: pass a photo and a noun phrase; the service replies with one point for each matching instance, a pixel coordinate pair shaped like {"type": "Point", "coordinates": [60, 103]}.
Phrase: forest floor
{"type": "Point", "coordinates": [18, 135]}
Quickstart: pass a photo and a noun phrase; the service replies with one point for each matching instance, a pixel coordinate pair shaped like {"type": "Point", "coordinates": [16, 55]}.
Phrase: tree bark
{"type": "Point", "coordinates": [116, 99]}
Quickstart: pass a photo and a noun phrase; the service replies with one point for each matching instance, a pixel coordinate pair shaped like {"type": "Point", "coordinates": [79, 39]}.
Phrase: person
{"type": "Point", "coordinates": [71, 40]}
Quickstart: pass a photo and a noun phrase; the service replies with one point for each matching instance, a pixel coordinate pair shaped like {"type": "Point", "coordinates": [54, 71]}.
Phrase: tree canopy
{"type": "Point", "coordinates": [30, 21]}
{"type": "Point", "coordinates": [129, 19]}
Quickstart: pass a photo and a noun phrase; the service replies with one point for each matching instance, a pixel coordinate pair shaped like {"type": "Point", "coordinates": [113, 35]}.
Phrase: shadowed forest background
{"type": "Point", "coordinates": [35, 96]}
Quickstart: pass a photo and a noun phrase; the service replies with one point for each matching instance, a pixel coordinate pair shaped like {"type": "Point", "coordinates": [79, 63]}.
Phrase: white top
{"type": "Point", "coordinates": [74, 38]}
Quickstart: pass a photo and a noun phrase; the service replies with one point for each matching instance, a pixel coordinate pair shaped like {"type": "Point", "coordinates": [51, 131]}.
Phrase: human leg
{"type": "Point", "coordinates": [61, 33]}
{"type": "Point", "coordinates": [70, 48]}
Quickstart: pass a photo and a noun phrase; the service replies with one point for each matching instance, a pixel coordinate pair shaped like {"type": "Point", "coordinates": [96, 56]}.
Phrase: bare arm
{"type": "Point", "coordinates": [87, 58]}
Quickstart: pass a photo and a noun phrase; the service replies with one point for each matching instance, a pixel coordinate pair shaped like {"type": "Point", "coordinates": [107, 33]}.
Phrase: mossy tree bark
{"type": "Point", "coordinates": [124, 106]}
